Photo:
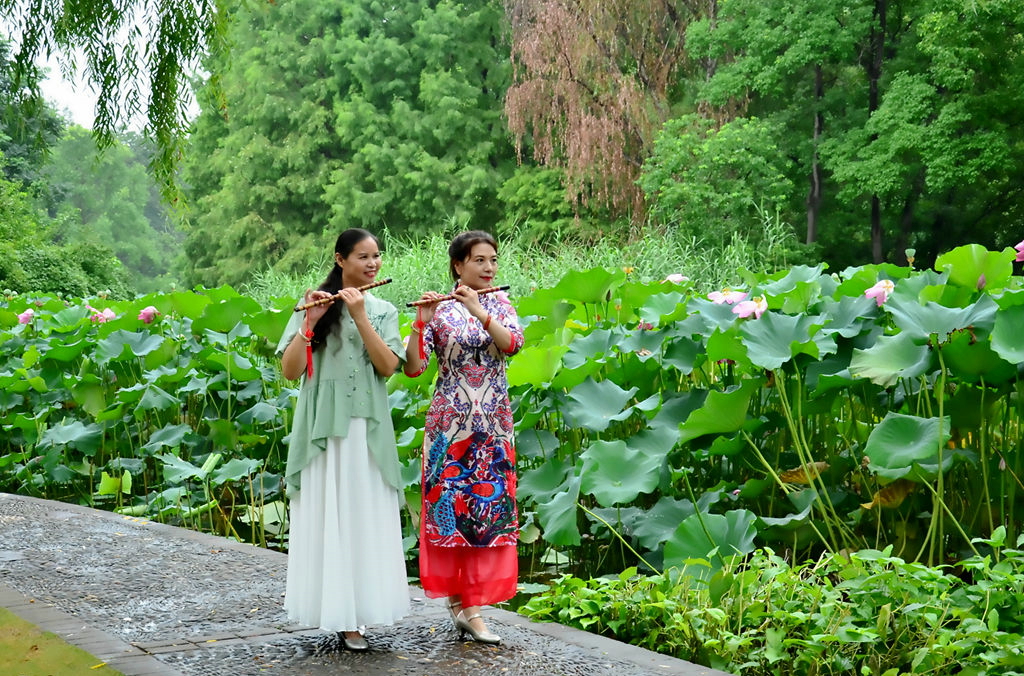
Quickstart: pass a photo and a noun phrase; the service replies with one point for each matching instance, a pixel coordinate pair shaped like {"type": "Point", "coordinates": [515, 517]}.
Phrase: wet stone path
{"type": "Point", "coordinates": [155, 600]}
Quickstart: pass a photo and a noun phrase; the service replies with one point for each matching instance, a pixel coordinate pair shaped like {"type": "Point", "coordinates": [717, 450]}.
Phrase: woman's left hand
{"type": "Point", "coordinates": [353, 299]}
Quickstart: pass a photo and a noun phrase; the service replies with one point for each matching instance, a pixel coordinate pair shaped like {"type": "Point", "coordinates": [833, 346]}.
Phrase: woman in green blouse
{"type": "Point", "coordinates": [346, 564]}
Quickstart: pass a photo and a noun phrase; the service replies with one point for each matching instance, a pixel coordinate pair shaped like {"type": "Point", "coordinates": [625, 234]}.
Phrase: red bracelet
{"type": "Point", "coordinates": [487, 322]}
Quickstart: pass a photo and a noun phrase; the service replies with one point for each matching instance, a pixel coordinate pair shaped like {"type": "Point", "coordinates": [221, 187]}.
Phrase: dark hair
{"type": "Point", "coordinates": [346, 242]}
{"type": "Point", "coordinates": [462, 246]}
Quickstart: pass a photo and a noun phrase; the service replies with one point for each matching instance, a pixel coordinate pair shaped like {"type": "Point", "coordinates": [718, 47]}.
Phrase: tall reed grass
{"type": "Point", "coordinates": [418, 265]}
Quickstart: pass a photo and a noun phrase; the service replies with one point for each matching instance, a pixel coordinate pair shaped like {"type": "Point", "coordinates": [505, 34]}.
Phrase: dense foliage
{"type": "Point", "coordinates": [346, 114]}
{"type": "Point", "coordinates": [866, 612]}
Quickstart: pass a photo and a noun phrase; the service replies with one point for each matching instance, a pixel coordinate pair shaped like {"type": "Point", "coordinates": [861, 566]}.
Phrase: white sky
{"type": "Point", "coordinates": [75, 100]}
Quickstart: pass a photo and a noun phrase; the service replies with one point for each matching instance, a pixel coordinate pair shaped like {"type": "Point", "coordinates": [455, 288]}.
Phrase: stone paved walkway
{"type": "Point", "coordinates": [155, 600]}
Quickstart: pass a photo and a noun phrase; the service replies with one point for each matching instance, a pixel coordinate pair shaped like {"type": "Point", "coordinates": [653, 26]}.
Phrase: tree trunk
{"type": "Point", "coordinates": [814, 194]}
{"type": "Point", "coordinates": [874, 75]}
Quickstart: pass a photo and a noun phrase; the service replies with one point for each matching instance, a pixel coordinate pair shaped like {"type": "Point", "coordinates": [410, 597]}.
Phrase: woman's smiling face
{"type": "Point", "coordinates": [479, 268]}
{"type": "Point", "coordinates": [361, 266]}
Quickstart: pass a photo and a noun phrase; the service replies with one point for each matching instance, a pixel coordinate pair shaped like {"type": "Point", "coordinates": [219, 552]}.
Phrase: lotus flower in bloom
{"type": "Point", "coordinates": [726, 296]}
{"type": "Point", "coordinates": [26, 316]}
{"type": "Point", "coordinates": [677, 278]}
{"type": "Point", "coordinates": [100, 317]}
{"type": "Point", "coordinates": [1020, 252]}
{"type": "Point", "coordinates": [148, 314]}
{"type": "Point", "coordinates": [880, 291]}
{"type": "Point", "coordinates": [755, 307]}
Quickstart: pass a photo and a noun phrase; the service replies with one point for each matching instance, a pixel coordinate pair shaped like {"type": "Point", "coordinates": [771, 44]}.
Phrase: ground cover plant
{"type": "Point", "coordinates": [27, 651]}
{"type": "Point", "coordinates": [659, 424]}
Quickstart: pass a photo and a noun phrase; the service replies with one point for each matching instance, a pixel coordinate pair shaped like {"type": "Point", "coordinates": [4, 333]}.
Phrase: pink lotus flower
{"type": "Point", "coordinates": [880, 291]}
{"type": "Point", "coordinates": [26, 316]}
{"type": "Point", "coordinates": [726, 296]}
{"type": "Point", "coordinates": [100, 317]}
{"type": "Point", "coordinates": [677, 278]}
{"type": "Point", "coordinates": [755, 307]}
{"type": "Point", "coordinates": [148, 314]}
{"type": "Point", "coordinates": [1020, 252]}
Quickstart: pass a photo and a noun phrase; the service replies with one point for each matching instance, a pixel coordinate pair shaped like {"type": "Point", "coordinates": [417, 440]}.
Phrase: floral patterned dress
{"type": "Point", "coordinates": [469, 480]}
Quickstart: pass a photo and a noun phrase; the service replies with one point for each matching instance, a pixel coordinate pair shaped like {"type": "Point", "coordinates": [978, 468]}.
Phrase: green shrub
{"type": "Point", "coordinates": [867, 612]}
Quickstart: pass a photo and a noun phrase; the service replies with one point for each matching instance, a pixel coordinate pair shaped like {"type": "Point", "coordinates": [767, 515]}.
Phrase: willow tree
{"type": "Point", "coordinates": [138, 57]}
{"type": "Point", "coordinates": [592, 81]}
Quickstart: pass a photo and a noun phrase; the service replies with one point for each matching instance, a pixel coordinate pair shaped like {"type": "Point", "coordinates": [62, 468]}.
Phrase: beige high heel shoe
{"type": "Point", "coordinates": [454, 608]}
{"type": "Point", "coordinates": [482, 636]}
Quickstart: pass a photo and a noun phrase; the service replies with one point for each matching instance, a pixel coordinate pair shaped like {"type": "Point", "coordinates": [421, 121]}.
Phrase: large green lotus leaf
{"type": "Point", "coordinates": [722, 412]}
{"type": "Point", "coordinates": [544, 482]}
{"type": "Point", "coordinates": [69, 319]}
{"type": "Point", "coordinates": [90, 395]}
{"type": "Point", "coordinates": [776, 338]}
{"type": "Point", "coordinates": [168, 436]}
{"type": "Point", "coordinates": [269, 324]}
{"type": "Point", "coordinates": [234, 363]}
{"type": "Point", "coordinates": [663, 519]}
{"type": "Point", "coordinates": [923, 321]}
{"type": "Point", "coordinates": [557, 516]}
{"type": "Point", "coordinates": [535, 443]}
{"type": "Point", "coordinates": [803, 501]}
{"type": "Point", "coordinates": [163, 356]}
{"type": "Point", "coordinates": [595, 404]}
{"type": "Point", "coordinates": [830, 372]}
{"type": "Point", "coordinates": [907, 446]}
{"type": "Point", "coordinates": [646, 343]}
{"type": "Point", "coordinates": [653, 526]}
{"type": "Point", "coordinates": [849, 316]}
{"type": "Point", "coordinates": [184, 304]}
{"type": "Point", "coordinates": [567, 379]}
{"type": "Point", "coordinates": [973, 360]}
{"type": "Point", "coordinates": [262, 412]}
{"type": "Point", "coordinates": [699, 535]}
{"type": "Point", "coordinates": [661, 308]}
{"type": "Point", "coordinates": [121, 345]}
{"type": "Point", "coordinates": [177, 470]}
{"type": "Point", "coordinates": [891, 358]}
{"type": "Point", "coordinates": [154, 398]}
{"type": "Point", "coordinates": [537, 324]}
{"type": "Point", "coordinates": [1007, 333]}
{"type": "Point", "coordinates": [10, 399]}
{"type": "Point", "coordinates": [656, 440]}
{"type": "Point", "coordinates": [713, 315]}
{"type": "Point", "coordinates": [728, 345]}
{"type": "Point", "coordinates": [616, 473]}
{"type": "Point", "coordinates": [727, 446]}
{"type": "Point", "coordinates": [85, 438]}
{"type": "Point", "coordinates": [235, 470]}
{"type": "Point", "coordinates": [633, 295]}
{"type": "Point", "coordinates": [589, 286]}
{"type": "Point", "coordinates": [224, 315]}
{"type": "Point", "coordinates": [685, 354]}
{"type": "Point", "coordinates": [1010, 298]}
{"type": "Point", "coordinates": [677, 408]}
{"type": "Point", "coordinates": [796, 290]}
{"type": "Point", "coordinates": [969, 407]}
{"type": "Point", "coordinates": [64, 352]}
{"type": "Point", "coordinates": [596, 344]}
{"type": "Point", "coordinates": [535, 365]}
{"type": "Point", "coordinates": [973, 266]}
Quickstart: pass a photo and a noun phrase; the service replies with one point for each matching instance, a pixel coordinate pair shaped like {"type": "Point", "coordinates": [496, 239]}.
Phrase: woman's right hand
{"type": "Point", "coordinates": [314, 313]}
{"type": "Point", "coordinates": [426, 311]}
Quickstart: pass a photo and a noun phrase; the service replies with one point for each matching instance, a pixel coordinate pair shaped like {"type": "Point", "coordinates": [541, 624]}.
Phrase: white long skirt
{"type": "Point", "coordinates": [346, 567]}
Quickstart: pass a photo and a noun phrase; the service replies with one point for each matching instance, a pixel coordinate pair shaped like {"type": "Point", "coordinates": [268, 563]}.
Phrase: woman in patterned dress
{"type": "Point", "coordinates": [469, 526]}
{"type": "Point", "coordinates": [346, 563]}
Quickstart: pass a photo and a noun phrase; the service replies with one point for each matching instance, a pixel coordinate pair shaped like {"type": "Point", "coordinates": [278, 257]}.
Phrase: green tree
{"type": "Point", "coordinates": [114, 203]}
{"type": "Point", "coordinates": [904, 119]}
{"type": "Point", "coordinates": [138, 56]}
{"type": "Point", "coordinates": [31, 261]}
{"type": "Point", "coordinates": [346, 114]}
